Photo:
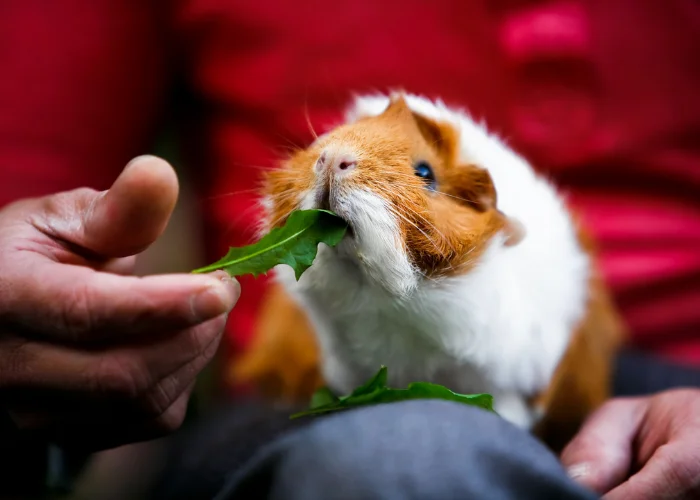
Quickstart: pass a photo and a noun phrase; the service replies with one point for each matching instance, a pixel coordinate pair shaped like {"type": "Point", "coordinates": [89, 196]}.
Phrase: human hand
{"type": "Point", "coordinates": [640, 448]}
{"type": "Point", "coordinates": [90, 356]}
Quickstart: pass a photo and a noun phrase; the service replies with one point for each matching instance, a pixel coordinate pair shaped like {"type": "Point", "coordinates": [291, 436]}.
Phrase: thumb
{"type": "Point", "coordinates": [125, 219]}
{"type": "Point", "coordinates": [600, 455]}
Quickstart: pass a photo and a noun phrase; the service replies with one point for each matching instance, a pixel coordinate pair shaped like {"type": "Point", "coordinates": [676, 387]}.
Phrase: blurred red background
{"type": "Point", "coordinates": [602, 96]}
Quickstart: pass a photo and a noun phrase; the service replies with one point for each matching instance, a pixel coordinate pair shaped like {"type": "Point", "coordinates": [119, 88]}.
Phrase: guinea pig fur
{"type": "Point", "coordinates": [462, 267]}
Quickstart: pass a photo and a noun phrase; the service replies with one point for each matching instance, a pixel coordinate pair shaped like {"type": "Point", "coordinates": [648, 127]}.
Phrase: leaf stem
{"type": "Point", "coordinates": [216, 266]}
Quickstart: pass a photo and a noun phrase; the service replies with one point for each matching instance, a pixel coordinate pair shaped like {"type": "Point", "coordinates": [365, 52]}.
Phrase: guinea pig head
{"type": "Point", "coordinates": [415, 211]}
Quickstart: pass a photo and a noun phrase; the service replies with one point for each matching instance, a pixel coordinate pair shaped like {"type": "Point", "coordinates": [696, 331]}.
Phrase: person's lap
{"type": "Point", "coordinates": [419, 449]}
{"type": "Point", "coordinates": [416, 449]}
{"type": "Point", "coordinates": [411, 450]}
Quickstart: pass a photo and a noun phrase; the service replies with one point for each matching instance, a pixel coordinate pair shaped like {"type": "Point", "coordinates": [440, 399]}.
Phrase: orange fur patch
{"type": "Point", "coordinates": [582, 380]}
{"type": "Point", "coordinates": [283, 361]}
{"type": "Point", "coordinates": [444, 231]}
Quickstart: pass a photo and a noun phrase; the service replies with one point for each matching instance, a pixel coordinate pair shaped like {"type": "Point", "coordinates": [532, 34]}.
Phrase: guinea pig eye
{"type": "Point", "coordinates": [425, 172]}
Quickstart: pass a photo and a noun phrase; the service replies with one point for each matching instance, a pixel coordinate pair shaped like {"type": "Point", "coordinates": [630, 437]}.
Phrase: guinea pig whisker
{"type": "Point", "coordinates": [308, 120]}
{"type": "Point", "coordinates": [442, 236]}
{"type": "Point", "coordinates": [456, 197]}
{"type": "Point", "coordinates": [278, 220]}
{"type": "Point", "coordinates": [264, 168]}
{"type": "Point", "coordinates": [442, 193]}
{"type": "Point", "coordinates": [290, 144]}
{"type": "Point", "coordinates": [232, 193]}
{"type": "Point", "coordinates": [413, 224]}
{"type": "Point", "coordinates": [432, 226]}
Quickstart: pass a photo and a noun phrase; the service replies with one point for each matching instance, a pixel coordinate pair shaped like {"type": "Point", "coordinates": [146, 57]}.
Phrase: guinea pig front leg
{"type": "Point", "coordinates": [514, 407]}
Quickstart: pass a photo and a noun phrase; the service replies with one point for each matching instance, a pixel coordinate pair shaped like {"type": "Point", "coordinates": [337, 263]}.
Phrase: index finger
{"type": "Point", "coordinates": [600, 455]}
{"type": "Point", "coordinates": [74, 303]}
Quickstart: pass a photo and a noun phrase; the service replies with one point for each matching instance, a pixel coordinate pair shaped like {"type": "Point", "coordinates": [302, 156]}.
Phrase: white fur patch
{"type": "Point", "coordinates": [501, 328]}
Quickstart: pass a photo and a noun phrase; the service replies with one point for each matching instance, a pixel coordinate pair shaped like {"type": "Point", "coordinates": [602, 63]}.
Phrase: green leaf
{"type": "Point", "coordinates": [323, 397]}
{"type": "Point", "coordinates": [294, 244]}
{"type": "Point", "coordinates": [375, 383]}
{"type": "Point", "coordinates": [375, 391]}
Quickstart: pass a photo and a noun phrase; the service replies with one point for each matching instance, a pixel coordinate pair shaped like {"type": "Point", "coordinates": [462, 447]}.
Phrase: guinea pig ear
{"type": "Point", "coordinates": [397, 107]}
{"type": "Point", "coordinates": [442, 137]}
{"type": "Point", "coordinates": [474, 186]}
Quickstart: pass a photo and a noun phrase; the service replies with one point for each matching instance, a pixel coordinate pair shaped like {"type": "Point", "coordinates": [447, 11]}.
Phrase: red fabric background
{"type": "Point", "coordinates": [601, 96]}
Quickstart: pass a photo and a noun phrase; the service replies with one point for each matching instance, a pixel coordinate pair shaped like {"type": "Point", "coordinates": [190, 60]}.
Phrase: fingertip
{"type": "Point", "coordinates": [144, 160]}
{"type": "Point", "coordinates": [577, 471]}
{"type": "Point", "coordinates": [600, 454]}
{"type": "Point", "coordinates": [218, 297]}
{"type": "Point", "coordinates": [592, 462]}
{"type": "Point", "coordinates": [583, 473]}
{"type": "Point", "coordinates": [231, 283]}
{"type": "Point", "coordinates": [150, 173]}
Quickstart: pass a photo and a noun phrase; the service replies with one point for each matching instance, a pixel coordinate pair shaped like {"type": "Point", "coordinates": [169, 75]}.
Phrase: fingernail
{"type": "Point", "coordinates": [233, 286]}
{"type": "Point", "coordinates": [578, 471]}
{"type": "Point", "coordinates": [215, 299]}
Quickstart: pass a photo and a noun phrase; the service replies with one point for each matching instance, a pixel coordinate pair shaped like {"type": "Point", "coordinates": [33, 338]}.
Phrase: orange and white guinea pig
{"type": "Point", "coordinates": [461, 267]}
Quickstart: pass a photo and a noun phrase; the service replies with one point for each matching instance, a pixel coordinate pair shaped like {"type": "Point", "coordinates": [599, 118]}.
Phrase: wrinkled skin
{"type": "Point", "coordinates": [641, 448]}
{"type": "Point", "coordinates": [91, 356]}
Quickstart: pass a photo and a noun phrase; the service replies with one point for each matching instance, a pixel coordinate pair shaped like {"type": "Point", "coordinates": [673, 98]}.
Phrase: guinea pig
{"type": "Point", "coordinates": [461, 265]}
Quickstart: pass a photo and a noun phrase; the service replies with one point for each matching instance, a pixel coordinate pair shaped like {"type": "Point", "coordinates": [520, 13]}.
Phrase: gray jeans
{"type": "Point", "coordinates": [400, 451]}
{"type": "Point", "coordinates": [413, 450]}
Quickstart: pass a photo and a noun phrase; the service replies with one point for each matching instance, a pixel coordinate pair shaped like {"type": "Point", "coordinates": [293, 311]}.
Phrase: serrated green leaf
{"type": "Point", "coordinates": [373, 384]}
{"type": "Point", "coordinates": [323, 397]}
{"type": "Point", "coordinates": [375, 391]}
{"type": "Point", "coordinates": [295, 244]}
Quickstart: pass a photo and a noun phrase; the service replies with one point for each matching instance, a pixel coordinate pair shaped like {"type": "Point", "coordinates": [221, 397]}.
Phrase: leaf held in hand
{"type": "Point", "coordinates": [294, 244]}
{"type": "Point", "coordinates": [375, 391]}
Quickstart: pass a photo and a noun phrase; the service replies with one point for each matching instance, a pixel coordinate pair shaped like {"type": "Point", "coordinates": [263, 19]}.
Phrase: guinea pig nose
{"type": "Point", "coordinates": [343, 163]}
{"type": "Point", "coordinates": [338, 162]}
{"type": "Point", "coordinates": [322, 161]}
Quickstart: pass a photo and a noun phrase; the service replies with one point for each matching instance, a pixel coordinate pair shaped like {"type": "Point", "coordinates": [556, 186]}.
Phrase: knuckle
{"type": "Point", "coordinates": [208, 353]}
{"type": "Point", "coordinates": [681, 468]}
{"type": "Point", "coordinates": [160, 397]}
{"type": "Point", "coordinates": [197, 339]}
{"type": "Point", "coordinates": [616, 405]}
{"type": "Point", "coordinates": [120, 377]}
{"type": "Point", "coordinates": [63, 212]}
{"type": "Point", "coordinates": [67, 202]}
{"type": "Point", "coordinates": [201, 343]}
{"type": "Point", "coordinates": [51, 210]}
{"type": "Point", "coordinates": [206, 348]}
{"type": "Point", "coordinates": [210, 334]}
{"type": "Point", "coordinates": [591, 449]}
{"type": "Point", "coordinates": [679, 396]}
{"type": "Point", "coordinates": [208, 341]}
{"type": "Point", "coordinates": [586, 442]}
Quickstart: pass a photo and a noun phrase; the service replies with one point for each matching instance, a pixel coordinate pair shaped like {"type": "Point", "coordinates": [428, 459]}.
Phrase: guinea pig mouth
{"type": "Point", "coordinates": [323, 202]}
{"type": "Point", "coordinates": [323, 199]}
{"type": "Point", "coordinates": [350, 232]}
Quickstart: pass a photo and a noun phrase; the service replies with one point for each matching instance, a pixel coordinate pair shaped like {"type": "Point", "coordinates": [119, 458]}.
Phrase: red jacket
{"type": "Point", "coordinates": [601, 95]}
